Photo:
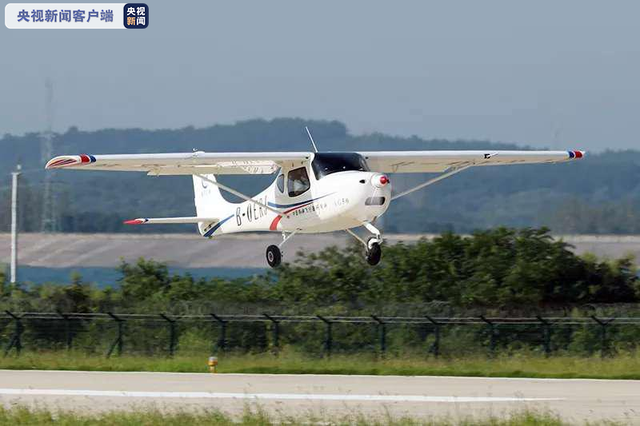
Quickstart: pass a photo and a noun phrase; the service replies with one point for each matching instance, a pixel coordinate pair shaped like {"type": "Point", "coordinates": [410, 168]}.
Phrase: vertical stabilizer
{"type": "Point", "coordinates": [209, 201]}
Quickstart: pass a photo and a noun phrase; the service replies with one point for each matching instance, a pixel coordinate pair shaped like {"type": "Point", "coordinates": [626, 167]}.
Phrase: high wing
{"type": "Point", "coordinates": [199, 162]}
{"type": "Point", "coordinates": [442, 161]}
{"type": "Point", "coordinates": [268, 162]}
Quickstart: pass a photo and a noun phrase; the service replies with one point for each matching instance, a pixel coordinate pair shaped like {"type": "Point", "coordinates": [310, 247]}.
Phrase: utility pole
{"type": "Point", "coordinates": [14, 224]}
{"type": "Point", "coordinates": [49, 214]}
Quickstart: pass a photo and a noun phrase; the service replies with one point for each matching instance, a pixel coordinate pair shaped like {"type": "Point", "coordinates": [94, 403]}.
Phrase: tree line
{"type": "Point", "coordinates": [503, 268]}
{"type": "Point", "coordinates": [498, 272]}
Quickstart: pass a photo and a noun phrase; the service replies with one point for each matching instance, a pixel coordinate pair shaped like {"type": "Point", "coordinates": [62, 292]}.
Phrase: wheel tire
{"type": "Point", "coordinates": [274, 256]}
{"type": "Point", "coordinates": [374, 254]}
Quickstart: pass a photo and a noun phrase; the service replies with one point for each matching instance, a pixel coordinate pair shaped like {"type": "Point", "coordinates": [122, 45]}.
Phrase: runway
{"type": "Point", "coordinates": [424, 397]}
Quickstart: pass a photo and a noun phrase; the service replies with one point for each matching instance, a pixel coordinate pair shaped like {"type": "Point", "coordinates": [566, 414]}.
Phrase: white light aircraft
{"type": "Point", "coordinates": [313, 192]}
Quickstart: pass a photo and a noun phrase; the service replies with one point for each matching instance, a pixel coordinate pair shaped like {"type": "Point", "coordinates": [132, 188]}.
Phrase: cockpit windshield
{"type": "Point", "coordinates": [324, 164]}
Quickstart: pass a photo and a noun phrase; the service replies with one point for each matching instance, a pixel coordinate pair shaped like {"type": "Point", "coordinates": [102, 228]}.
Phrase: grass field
{"type": "Point", "coordinates": [25, 416]}
{"type": "Point", "coordinates": [622, 366]}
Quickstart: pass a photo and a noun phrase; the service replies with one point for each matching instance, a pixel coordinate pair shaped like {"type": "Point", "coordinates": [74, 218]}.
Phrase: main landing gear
{"type": "Point", "coordinates": [373, 250]}
{"type": "Point", "coordinates": [274, 255]}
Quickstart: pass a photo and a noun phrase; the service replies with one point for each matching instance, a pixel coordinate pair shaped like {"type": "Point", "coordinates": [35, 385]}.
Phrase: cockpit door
{"type": "Point", "coordinates": [298, 182]}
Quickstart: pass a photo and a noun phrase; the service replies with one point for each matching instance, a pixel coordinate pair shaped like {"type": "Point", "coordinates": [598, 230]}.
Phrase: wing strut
{"type": "Point", "coordinates": [239, 194]}
{"type": "Point", "coordinates": [452, 171]}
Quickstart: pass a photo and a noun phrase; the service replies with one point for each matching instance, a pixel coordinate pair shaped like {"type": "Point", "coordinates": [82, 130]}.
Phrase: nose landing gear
{"type": "Point", "coordinates": [373, 250]}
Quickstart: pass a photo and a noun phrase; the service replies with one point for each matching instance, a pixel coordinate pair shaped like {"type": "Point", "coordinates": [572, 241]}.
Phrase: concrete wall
{"type": "Point", "coordinates": [241, 251]}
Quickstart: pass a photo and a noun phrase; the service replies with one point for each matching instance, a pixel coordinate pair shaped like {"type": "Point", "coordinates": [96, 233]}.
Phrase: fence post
{"type": "Point", "coordinates": [493, 331]}
{"type": "Point", "coordinates": [435, 347]}
{"type": "Point", "coordinates": [604, 344]}
{"type": "Point", "coordinates": [172, 334]}
{"type": "Point", "coordinates": [222, 340]}
{"type": "Point", "coordinates": [16, 339]}
{"type": "Point", "coordinates": [546, 335]}
{"type": "Point", "coordinates": [328, 342]}
{"type": "Point", "coordinates": [67, 330]}
{"type": "Point", "coordinates": [119, 342]}
{"type": "Point", "coordinates": [382, 327]}
{"type": "Point", "coordinates": [276, 331]}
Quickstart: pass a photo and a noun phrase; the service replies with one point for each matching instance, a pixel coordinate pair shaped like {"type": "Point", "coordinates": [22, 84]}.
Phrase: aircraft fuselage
{"type": "Point", "coordinates": [338, 201]}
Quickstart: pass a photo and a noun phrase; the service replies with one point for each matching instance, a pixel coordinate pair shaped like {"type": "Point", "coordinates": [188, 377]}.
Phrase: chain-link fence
{"type": "Point", "coordinates": [152, 334]}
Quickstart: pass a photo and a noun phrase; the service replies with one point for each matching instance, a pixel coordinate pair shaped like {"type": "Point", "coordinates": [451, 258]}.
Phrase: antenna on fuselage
{"type": "Point", "coordinates": [311, 137]}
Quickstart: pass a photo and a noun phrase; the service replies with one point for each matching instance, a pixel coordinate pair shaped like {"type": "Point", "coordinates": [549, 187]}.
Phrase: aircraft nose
{"type": "Point", "coordinates": [380, 180]}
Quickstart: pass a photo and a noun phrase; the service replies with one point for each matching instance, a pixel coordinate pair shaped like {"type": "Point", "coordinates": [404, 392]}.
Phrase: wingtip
{"type": "Point", "coordinates": [69, 160]}
{"type": "Point", "coordinates": [62, 161]}
{"type": "Point", "coordinates": [576, 155]}
{"type": "Point", "coordinates": [138, 221]}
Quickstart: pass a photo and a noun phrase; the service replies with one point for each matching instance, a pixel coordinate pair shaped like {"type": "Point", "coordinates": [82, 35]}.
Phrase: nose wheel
{"type": "Point", "coordinates": [374, 251]}
{"type": "Point", "coordinates": [274, 256]}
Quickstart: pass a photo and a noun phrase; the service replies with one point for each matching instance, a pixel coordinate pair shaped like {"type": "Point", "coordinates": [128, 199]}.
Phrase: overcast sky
{"type": "Point", "coordinates": [545, 73]}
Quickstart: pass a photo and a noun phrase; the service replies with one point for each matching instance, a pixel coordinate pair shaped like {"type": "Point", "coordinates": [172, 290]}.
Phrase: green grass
{"type": "Point", "coordinates": [622, 366]}
{"type": "Point", "coordinates": [25, 416]}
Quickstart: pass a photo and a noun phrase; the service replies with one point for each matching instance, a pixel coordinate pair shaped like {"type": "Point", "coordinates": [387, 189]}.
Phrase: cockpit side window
{"type": "Point", "coordinates": [280, 183]}
{"type": "Point", "coordinates": [298, 182]}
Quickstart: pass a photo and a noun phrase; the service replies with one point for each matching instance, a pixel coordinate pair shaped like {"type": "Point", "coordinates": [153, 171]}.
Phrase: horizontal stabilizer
{"type": "Point", "coordinates": [165, 220]}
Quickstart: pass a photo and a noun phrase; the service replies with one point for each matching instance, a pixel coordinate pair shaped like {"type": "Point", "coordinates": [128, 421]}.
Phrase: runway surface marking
{"type": "Point", "coordinates": [420, 397]}
{"type": "Point", "coordinates": [375, 376]}
{"type": "Point", "coordinates": [268, 396]}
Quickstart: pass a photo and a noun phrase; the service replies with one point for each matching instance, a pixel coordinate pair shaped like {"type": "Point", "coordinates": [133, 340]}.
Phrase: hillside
{"type": "Point", "coordinates": [597, 195]}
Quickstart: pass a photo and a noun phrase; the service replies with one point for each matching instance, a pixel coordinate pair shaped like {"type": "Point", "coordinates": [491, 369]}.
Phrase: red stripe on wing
{"type": "Point", "coordinates": [134, 222]}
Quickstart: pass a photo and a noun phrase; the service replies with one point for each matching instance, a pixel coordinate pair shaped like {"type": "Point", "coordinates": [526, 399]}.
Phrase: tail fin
{"type": "Point", "coordinates": [208, 199]}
